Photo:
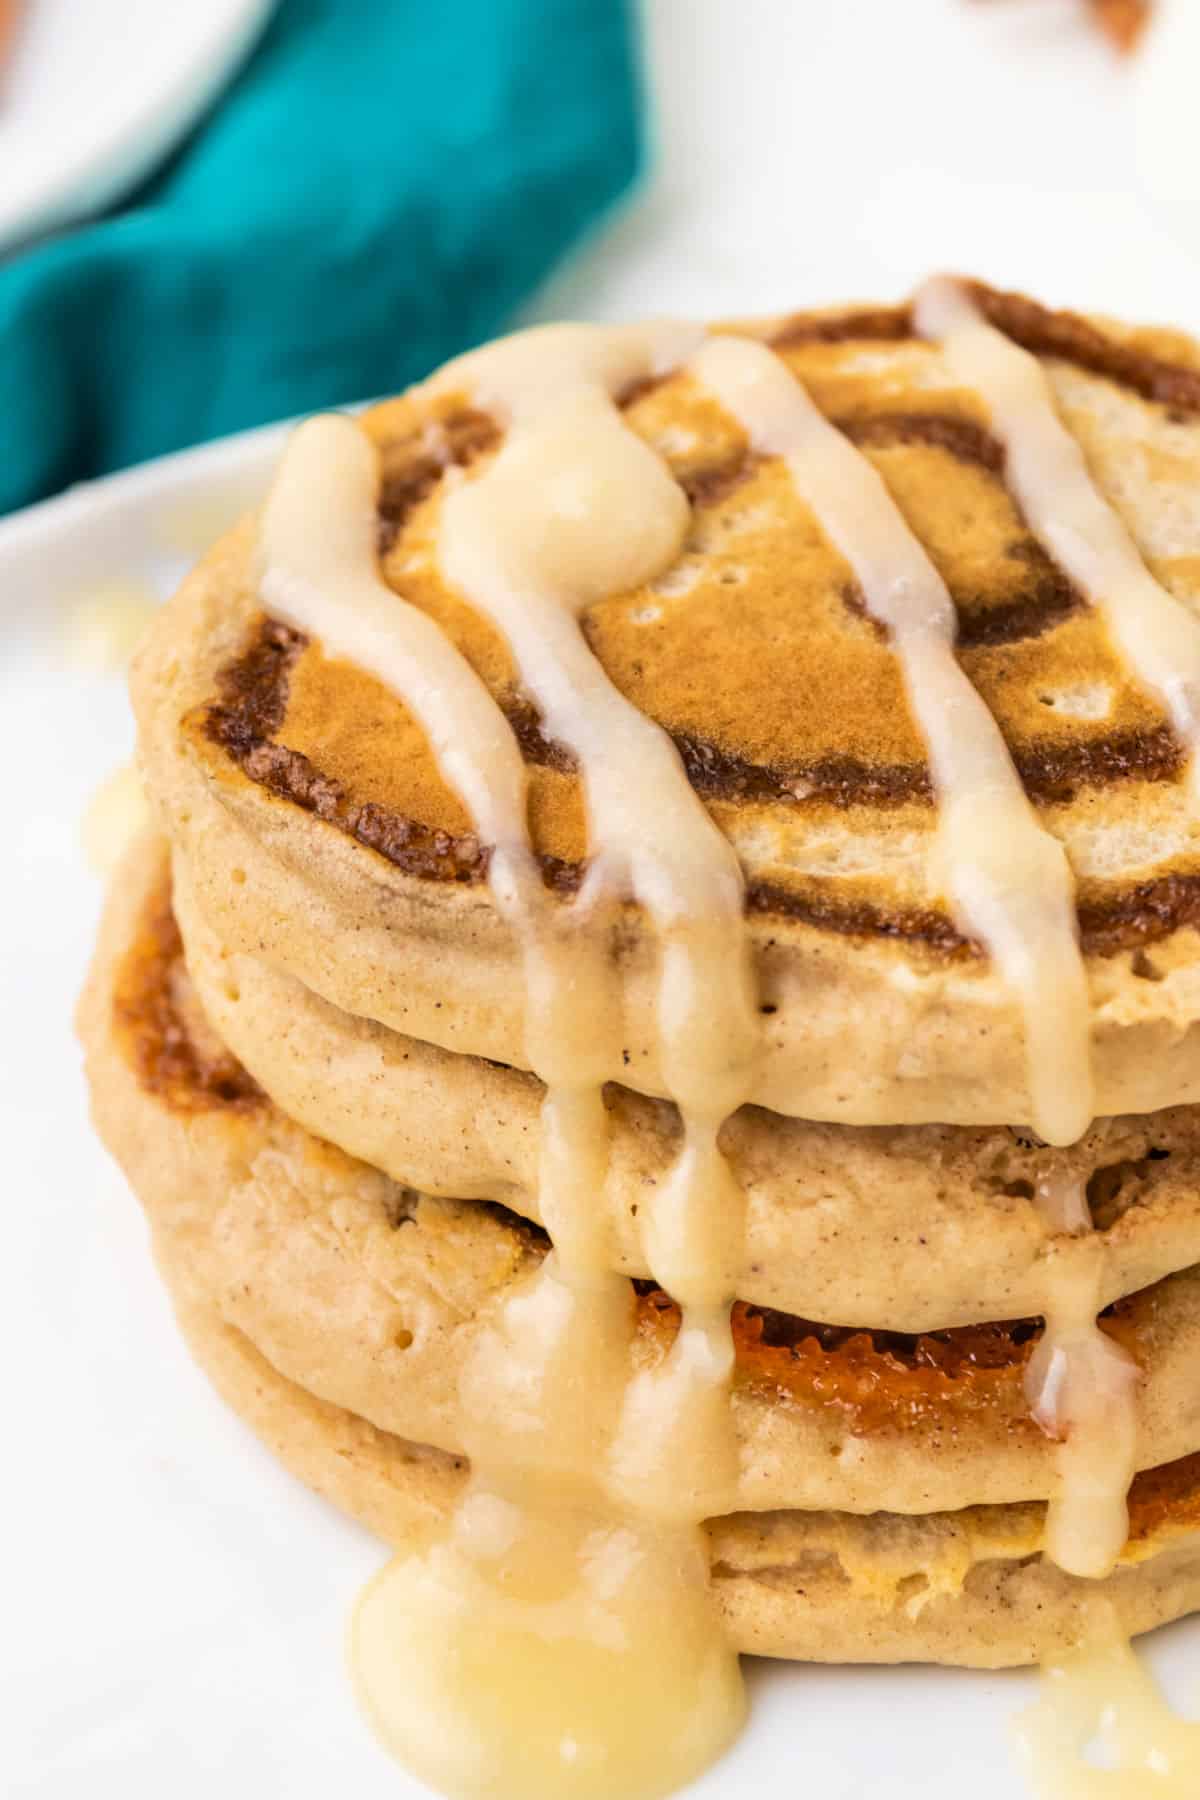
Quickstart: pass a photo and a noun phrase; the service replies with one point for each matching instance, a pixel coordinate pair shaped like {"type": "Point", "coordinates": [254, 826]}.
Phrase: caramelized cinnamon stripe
{"type": "Point", "coordinates": [1053, 771]}
{"type": "Point", "coordinates": [1141, 914]}
{"type": "Point", "coordinates": [709, 486]}
{"type": "Point", "coordinates": [1049, 597]}
{"type": "Point", "coordinates": [881, 324]}
{"type": "Point", "coordinates": [1074, 339]}
{"type": "Point", "coordinates": [1049, 601]}
{"type": "Point", "coordinates": [815, 906]}
{"type": "Point", "coordinates": [417, 463]}
{"type": "Point", "coordinates": [253, 702]}
{"type": "Point", "coordinates": [167, 1050]}
{"type": "Point", "coordinates": [536, 746]}
{"type": "Point", "coordinates": [961, 438]}
{"type": "Point", "coordinates": [721, 774]}
{"type": "Point", "coordinates": [1065, 335]}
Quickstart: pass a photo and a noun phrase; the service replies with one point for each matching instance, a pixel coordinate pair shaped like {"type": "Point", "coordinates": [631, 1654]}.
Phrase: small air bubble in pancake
{"type": "Point", "coordinates": [1090, 700]}
{"type": "Point", "coordinates": [680, 579]}
{"type": "Point", "coordinates": [674, 440]}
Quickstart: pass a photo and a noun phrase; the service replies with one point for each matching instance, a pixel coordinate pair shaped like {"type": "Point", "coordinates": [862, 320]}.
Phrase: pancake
{"type": "Point", "coordinates": [785, 740]}
{"type": "Point", "coordinates": [320, 835]}
{"type": "Point", "coordinates": [370, 1295]}
{"type": "Point", "coordinates": [954, 1588]}
{"type": "Point", "coordinates": [963, 1586]}
{"type": "Point", "coordinates": [911, 1228]}
{"type": "Point", "coordinates": [966, 1588]}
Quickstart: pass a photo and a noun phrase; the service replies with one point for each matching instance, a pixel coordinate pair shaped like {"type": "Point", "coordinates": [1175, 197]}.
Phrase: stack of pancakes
{"type": "Point", "coordinates": [305, 1021]}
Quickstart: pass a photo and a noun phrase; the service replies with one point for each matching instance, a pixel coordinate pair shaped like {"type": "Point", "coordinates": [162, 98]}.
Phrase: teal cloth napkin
{"type": "Point", "coordinates": [381, 185]}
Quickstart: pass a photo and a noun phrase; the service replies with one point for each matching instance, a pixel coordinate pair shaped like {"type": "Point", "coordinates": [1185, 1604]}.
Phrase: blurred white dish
{"type": "Point", "coordinates": [98, 91]}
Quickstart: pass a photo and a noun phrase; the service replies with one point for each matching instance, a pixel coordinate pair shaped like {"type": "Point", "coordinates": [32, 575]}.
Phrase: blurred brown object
{"type": "Point", "coordinates": [1124, 20]}
{"type": "Point", "coordinates": [8, 28]}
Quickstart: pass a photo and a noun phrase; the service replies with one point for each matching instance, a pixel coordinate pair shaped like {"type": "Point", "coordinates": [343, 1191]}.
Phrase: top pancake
{"type": "Point", "coordinates": [319, 831]}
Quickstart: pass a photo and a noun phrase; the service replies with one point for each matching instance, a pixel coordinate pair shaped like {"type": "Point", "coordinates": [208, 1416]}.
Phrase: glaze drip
{"type": "Point", "coordinates": [559, 1638]}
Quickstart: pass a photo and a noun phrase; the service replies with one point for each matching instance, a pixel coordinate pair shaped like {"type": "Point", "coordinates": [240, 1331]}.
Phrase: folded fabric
{"type": "Point", "coordinates": [381, 185]}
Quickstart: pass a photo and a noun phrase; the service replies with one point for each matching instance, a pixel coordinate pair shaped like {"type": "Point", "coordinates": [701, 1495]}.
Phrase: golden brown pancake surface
{"type": "Point", "coordinates": [756, 653]}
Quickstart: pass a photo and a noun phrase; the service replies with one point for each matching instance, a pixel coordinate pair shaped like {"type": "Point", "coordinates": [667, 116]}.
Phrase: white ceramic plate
{"type": "Point", "coordinates": [98, 91]}
{"type": "Point", "coordinates": [174, 1603]}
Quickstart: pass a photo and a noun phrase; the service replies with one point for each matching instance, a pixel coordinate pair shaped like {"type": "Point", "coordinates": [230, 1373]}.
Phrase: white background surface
{"type": "Point", "coordinates": [172, 1603]}
{"type": "Point", "coordinates": [817, 150]}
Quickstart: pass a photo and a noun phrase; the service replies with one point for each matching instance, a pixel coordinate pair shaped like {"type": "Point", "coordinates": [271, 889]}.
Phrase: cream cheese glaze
{"type": "Point", "coordinates": [1102, 1698]}
{"type": "Point", "coordinates": [561, 1631]}
{"type": "Point", "coordinates": [1009, 877]}
{"type": "Point", "coordinates": [1081, 1388]}
{"type": "Point", "coordinates": [1081, 1385]}
{"type": "Point", "coordinates": [573, 507]}
{"type": "Point", "coordinates": [1046, 470]}
{"type": "Point", "coordinates": [530, 544]}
